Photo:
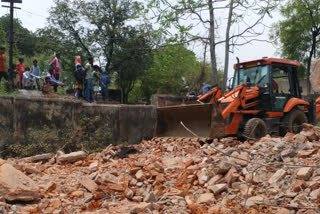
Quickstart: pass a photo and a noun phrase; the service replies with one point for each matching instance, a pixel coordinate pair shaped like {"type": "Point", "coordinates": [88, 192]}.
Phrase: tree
{"type": "Point", "coordinates": [240, 27]}
{"type": "Point", "coordinates": [50, 41]}
{"type": "Point", "coordinates": [299, 32]}
{"type": "Point", "coordinates": [24, 39]}
{"type": "Point", "coordinates": [99, 28]}
{"type": "Point", "coordinates": [173, 69]}
{"type": "Point", "coordinates": [131, 59]}
{"type": "Point", "coordinates": [95, 26]}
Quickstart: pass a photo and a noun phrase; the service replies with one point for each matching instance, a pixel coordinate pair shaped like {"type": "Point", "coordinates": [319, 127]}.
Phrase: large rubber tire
{"type": "Point", "coordinates": [292, 122]}
{"type": "Point", "coordinates": [255, 129]}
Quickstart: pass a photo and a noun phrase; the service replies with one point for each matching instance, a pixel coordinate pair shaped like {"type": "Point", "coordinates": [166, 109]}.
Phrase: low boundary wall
{"type": "Point", "coordinates": [33, 120]}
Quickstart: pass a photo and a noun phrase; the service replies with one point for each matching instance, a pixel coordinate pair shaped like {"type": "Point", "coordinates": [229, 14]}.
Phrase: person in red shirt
{"type": "Point", "coordinates": [3, 72]}
{"type": "Point", "coordinates": [56, 68]}
{"type": "Point", "coordinates": [20, 67]}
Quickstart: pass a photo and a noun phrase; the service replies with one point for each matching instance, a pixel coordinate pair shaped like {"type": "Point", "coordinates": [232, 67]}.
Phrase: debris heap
{"type": "Point", "coordinates": [171, 175]}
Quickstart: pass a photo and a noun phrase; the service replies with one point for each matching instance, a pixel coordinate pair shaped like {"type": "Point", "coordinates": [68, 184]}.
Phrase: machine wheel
{"type": "Point", "coordinates": [255, 129]}
{"type": "Point", "coordinates": [292, 122]}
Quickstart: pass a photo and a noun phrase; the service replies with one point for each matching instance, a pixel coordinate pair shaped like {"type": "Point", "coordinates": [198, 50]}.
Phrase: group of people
{"type": "Point", "coordinates": [24, 77]}
{"type": "Point", "coordinates": [89, 79]}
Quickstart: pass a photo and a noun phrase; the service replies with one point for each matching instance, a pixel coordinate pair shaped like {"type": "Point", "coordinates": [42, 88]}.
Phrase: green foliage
{"type": "Point", "coordinates": [90, 135]}
{"type": "Point", "coordinates": [299, 32]}
{"type": "Point", "coordinates": [173, 68]}
{"type": "Point", "coordinates": [131, 60]}
{"type": "Point", "coordinates": [102, 29]}
{"type": "Point", "coordinates": [5, 87]}
{"type": "Point", "coordinates": [25, 40]}
{"type": "Point", "coordinates": [136, 95]}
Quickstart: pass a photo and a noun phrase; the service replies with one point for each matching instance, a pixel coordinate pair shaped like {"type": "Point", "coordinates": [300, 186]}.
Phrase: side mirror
{"type": "Point", "coordinates": [229, 83]}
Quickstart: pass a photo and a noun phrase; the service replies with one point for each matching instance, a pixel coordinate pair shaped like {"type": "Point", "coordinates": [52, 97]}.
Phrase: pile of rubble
{"type": "Point", "coordinates": [273, 175]}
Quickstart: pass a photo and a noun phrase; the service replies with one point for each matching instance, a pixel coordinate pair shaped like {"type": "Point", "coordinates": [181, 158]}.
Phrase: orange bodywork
{"type": "Point", "coordinates": [317, 107]}
{"type": "Point", "coordinates": [267, 61]}
{"type": "Point", "coordinates": [214, 93]}
{"type": "Point", "coordinates": [233, 127]}
{"type": "Point", "coordinates": [240, 96]}
{"type": "Point", "coordinates": [275, 114]}
{"type": "Point", "coordinates": [294, 102]}
{"type": "Point", "coordinates": [240, 100]}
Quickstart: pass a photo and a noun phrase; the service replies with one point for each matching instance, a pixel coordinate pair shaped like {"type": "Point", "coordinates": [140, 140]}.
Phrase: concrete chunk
{"type": "Point", "coordinates": [214, 179]}
{"type": "Point", "coordinates": [276, 177]}
{"type": "Point", "coordinates": [109, 178]}
{"type": "Point", "coordinates": [89, 184]}
{"type": "Point", "coordinates": [15, 185]}
{"type": "Point", "coordinates": [71, 157]}
{"type": "Point", "coordinates": [205, 198]}
{"type": "Point", "coordinates": [304, 173]}
{"type": "Point", "coordinates": [255, 200]}
{"type": "Point", "coordinates": [218, 188]}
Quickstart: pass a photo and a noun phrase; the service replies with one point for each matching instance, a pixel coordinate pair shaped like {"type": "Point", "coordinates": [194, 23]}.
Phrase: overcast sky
{"type": "Point", "coordinates": [34, 12]}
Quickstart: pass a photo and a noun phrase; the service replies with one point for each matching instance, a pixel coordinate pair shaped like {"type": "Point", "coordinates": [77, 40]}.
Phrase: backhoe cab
{"type": "Point", "coordinates": [265, 98]}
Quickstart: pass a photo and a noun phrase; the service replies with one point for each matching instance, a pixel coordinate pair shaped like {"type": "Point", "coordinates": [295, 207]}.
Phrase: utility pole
{"type": "Point", "coordinates": [11, 36]}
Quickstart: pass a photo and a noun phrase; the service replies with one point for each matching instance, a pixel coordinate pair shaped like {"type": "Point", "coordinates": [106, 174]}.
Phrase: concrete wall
{"type": "Point", "coordinates": [162, 100]}
{"type": "Point", "coordinates": [283, 86]}
{"type": "Point", "coordinates": [28, 120]}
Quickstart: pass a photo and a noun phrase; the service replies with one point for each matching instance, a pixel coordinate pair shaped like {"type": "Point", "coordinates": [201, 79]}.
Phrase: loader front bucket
{"type": "Point", "coordinates": [204, 120]}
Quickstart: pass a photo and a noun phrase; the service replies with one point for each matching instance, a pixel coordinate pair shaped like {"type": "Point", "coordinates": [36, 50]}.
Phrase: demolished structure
{"type": "Point", "coordinates": [168, 175]}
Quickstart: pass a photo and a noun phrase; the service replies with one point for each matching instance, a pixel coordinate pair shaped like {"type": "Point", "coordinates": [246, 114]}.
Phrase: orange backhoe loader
{"type": "Point", "coordinates": [265, 98]}
{"type": "Point", "coordinates": [211, 96]}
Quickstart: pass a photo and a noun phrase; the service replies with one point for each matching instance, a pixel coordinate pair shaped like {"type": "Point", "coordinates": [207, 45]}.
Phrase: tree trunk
{"type": "Point", "coordinates": [213, 45]}
{"type": "Point", "coordinates": [125, 97]}
{"type": "Point", "coordinates": [109, 48]}
{"type": "Point", "coordinates": [227, 48]}
{"type": "Point", "coordinates": [312, 52]}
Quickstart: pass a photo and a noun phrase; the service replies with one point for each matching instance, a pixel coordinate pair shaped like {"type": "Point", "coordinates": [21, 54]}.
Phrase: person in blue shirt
{"type": "Point", "coordinates": [35, 73]}
{"type": "Point", "coordinates": [104, 83]}
{"type": "Point", "coordinates": [205, 88]}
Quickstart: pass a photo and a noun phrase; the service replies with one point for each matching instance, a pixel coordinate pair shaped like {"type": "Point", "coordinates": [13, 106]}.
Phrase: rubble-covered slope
{"type": "Point", "coordinates": [273, 175]}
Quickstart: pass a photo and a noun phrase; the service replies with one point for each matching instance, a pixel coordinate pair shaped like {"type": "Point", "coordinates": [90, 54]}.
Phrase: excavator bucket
{"type": "Point", "coordinates": [197, 120]}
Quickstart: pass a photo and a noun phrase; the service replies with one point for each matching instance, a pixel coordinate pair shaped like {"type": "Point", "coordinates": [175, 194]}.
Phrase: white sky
{"type": "Point", "coordinates": [34, 12]}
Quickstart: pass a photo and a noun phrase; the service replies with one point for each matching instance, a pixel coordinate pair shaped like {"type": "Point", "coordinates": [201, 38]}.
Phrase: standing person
{"type": "Point", "coordinates": [79, 76]}
{"type": "Point", "coordinates": [96, 81]}
{"type": "Point", "coordinates": [3, 72]}
{"type": "Point", "coordinates": [104, 83]}
{"type": "Point", "coordinates": [35, 72]}
{"type": "Point", "coordinates": [89, 76]}
{"type": "Point", "coordinates": [21, 70]}
{"type": "Point", "coordinates": [56, 65]}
